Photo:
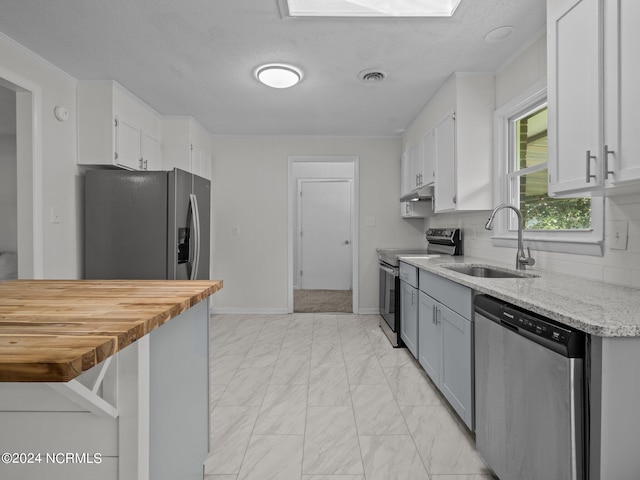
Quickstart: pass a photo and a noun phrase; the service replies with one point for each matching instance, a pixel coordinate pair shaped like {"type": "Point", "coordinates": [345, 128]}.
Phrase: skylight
{"type": "Point", "coordinates": [370, 8]}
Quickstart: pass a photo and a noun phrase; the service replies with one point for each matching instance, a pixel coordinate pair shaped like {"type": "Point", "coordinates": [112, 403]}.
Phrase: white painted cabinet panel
{"type": "Point", "coordinates": [593, 96]}
{"type": "Point", "coordinates": [574, 95]}
{"type": "Point", "coordinates": [445, 185]}
{"type": "Point", "coordinates": [114, 127]}
{"type": "Point", "coordinates": [429, 157]}
{"type": "Point", "coordinates": [151, 152]}
{"type": "Point", "coordinates": [622, 96]}
{"type": "Point", "coordinates": [187, 145]}
{"type": "Point", "coordinates": [416, 160]}
{"type": "Point", "coordinates": [128, 144]}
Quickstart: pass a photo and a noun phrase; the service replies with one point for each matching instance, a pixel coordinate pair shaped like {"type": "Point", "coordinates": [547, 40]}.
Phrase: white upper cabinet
{"type": "Point", "coordinates": [405, 173]}
{"type": "Point", "coordinates": [429, 157]}
{"type": "Point", "coordinates": [622, 96]}
{"type": "Point", "coordinates": [445, 157]}
{"type": "Point", "coordinates": [463, 143]}
{"type": "Point", "coordinates": [187, 145]}
{"type": "Point", "coordinates": [116, 128]}
{"type": "Point", "coordinates": [592, 94]}
{"type": "Point", "coordinates": [417, 166]}
{"type": "Point", "coordinates": [574, 94]}
{"type": "Point", "coordinates": [455, 131]}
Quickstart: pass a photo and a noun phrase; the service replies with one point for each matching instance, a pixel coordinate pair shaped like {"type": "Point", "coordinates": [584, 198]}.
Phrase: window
{"type": "Point", "coordinates": [572, 225]}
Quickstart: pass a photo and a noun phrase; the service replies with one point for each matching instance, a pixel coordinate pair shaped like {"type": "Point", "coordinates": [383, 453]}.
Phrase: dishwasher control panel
{"type": "Point", "coordinates": [560, 338]}
{"type": "Point", "coordinates": [538, 326]}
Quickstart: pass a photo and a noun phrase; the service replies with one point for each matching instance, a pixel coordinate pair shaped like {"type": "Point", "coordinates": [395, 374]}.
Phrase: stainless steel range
{"type": "Point", "coordinates": [447, 241]}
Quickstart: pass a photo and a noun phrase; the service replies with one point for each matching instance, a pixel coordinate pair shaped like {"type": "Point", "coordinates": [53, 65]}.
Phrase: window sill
{"type": "Point", "coordinates": [586, 246]}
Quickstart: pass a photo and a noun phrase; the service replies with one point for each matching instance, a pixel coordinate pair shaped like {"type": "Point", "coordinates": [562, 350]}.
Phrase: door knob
{"type": "Point", "coordinates": [347, 242]}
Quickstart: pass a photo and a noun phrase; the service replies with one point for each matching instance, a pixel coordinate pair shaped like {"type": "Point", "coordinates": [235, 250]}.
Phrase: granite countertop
{"type": "Point", "coordinates": [593, 307]}
{"type": "Point", "coordinates": [53, 330]}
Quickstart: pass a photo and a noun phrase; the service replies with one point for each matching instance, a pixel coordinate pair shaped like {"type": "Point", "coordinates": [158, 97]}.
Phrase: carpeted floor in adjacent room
{"type": "Point", "coordinates": [323, 301]}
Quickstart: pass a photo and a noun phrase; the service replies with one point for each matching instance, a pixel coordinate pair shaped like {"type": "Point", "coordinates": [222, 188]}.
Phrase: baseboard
{"type": "Point", "coordinates": [271, 311]}
{"type": "Point", "coordinates": [248, 311]}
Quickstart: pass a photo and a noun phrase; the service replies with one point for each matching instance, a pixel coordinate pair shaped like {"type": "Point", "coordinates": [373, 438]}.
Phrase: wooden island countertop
{"type": "Point", "coordinates": [53, 330]}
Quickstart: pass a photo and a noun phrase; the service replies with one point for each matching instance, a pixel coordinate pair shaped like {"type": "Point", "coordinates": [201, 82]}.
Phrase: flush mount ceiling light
{"type": "Point", "coordinates": [499, 34]}
{"type": "Point", "coordinates": [368, 8]}
{"type": "Point", "coordinates": [278, 75]}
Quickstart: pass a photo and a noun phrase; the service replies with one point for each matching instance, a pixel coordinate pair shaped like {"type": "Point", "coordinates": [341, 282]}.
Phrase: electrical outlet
{"type": "Point", "coordinates": [235, 231]}
{"type": "Point", "coordinates": [619, 235]}
{"type": "Point", "coordinates": [370, 221]}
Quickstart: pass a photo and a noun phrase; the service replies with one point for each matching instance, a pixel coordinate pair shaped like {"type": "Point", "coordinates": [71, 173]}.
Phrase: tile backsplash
{"type": "Point", "coordinates": [618, 267]}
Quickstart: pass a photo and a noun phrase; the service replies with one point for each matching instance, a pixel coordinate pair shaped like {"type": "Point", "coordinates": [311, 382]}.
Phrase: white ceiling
{"type": "Point", "coordinates": [197, 57]}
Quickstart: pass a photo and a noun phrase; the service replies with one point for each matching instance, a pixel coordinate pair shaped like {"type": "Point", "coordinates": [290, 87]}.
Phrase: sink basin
{"type": "Point", "coordinates": [486, 271]}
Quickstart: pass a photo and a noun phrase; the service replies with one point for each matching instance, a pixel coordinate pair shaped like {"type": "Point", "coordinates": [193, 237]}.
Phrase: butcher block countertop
{"type": "Point", "coordinates": [53, 330]}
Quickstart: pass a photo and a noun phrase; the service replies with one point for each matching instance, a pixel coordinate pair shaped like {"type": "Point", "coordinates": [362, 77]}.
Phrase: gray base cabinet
{"type": "Point", "coordinates": [445, 341]}
{"type": "Point", "coordinates": [409, 317]}
{"type": "Point", "coordinates": [409, 307]}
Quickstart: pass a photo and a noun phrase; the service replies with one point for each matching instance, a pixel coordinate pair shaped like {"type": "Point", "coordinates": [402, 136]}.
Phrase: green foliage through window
{"type": "Point", "coordinates": [529, 180]}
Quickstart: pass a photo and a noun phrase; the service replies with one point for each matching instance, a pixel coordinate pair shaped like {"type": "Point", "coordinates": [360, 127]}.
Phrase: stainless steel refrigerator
{"type": "Point", "coordinates": [146, 225]}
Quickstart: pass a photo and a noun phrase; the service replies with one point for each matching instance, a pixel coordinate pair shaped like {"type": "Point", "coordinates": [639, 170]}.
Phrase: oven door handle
{"type": "Point", "coordinates": [390, 271]}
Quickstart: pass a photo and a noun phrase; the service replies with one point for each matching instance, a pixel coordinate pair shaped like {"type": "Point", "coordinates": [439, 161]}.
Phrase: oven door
{"type": "Point", "coordinates": [387, 295]}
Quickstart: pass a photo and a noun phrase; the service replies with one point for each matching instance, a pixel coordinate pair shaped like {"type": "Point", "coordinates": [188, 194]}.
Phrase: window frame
{"type": "Point", "coordinates": [582, 242]}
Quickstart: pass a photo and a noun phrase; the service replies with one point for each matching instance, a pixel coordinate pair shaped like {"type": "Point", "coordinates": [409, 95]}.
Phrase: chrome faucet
{"type": "Point", "coordinates": [521, 258]}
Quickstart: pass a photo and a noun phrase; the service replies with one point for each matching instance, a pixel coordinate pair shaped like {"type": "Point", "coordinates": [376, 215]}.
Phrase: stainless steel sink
{"type": "Point", "coordinates": [486, 271]}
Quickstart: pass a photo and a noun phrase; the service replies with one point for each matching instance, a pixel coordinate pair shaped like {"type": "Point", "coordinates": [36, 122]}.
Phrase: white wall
{"type": "Point", "coordinates": [61, 255]}
{"type": "Point", "coordinates": [8, 194]}
{"type": "Point", "coordinates": [250, 190]}
{"type": "Point", "coordinates": [616, 267]}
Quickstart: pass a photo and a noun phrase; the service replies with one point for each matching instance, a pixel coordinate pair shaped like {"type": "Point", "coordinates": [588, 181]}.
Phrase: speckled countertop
{"type": "Point", "coordinates": [593, 307]}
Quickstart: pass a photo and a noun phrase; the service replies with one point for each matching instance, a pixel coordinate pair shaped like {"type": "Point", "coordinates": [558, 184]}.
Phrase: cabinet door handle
{"type": "Point", "coordinates": [588, 159]}
{"type": "Point", "coordinates": [605, 155]}
{"type": "Point", "coordinates": [433, 316]}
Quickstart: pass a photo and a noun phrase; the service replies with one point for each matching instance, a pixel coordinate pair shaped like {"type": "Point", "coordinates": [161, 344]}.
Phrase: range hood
{"type": "Point", "coordinates": [420, 195]}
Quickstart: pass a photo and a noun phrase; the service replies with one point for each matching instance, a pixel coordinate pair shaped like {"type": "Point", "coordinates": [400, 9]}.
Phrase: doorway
{"type": "Point", "coordinates": [8, 186]}
{"type": "Point", "coordinates": [323, 235]}
{"type": "Point", "coordinates": [27, 118]}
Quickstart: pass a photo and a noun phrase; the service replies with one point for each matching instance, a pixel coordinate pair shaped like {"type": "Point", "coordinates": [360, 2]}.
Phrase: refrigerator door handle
{"type": "Point", "coordinates": [193, 203]}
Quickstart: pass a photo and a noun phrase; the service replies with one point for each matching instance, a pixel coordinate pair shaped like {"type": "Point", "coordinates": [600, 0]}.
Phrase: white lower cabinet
{"type": "Point", "coordinates": [444, 340]}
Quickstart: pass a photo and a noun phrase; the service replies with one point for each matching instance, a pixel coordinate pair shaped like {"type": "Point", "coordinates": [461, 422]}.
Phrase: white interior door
{"type": "Point", "coordinates": [325, 234]}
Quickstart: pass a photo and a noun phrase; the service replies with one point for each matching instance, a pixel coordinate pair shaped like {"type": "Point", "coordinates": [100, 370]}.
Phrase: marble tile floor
{"type": "Point", "coordinates": [326, 397]}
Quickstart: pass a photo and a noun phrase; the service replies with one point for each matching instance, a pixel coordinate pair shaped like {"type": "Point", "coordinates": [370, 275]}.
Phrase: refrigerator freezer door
{"type": "Point", "coordinates": [125, 224]}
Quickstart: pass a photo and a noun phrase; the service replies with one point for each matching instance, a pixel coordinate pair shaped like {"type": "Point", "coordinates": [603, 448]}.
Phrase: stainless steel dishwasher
{"type": "Point", "coordinates": [529, 394]}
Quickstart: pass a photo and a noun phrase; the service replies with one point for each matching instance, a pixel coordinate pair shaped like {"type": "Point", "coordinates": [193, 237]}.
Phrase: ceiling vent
{"type": "Point", "coordinates": [372, 75]}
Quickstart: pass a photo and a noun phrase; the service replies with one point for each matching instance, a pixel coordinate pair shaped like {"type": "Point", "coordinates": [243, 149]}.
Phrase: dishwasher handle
{"type": "Point", "coordinates": [509, 326]}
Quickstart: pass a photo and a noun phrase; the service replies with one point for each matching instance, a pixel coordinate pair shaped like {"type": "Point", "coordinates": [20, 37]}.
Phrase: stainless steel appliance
{"type": "Point", "coordinates": [529, 394]}
{"type": "Point", "coordinates": [146, 225]}
{"type": "Point", "coordinates": [439, 241]}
